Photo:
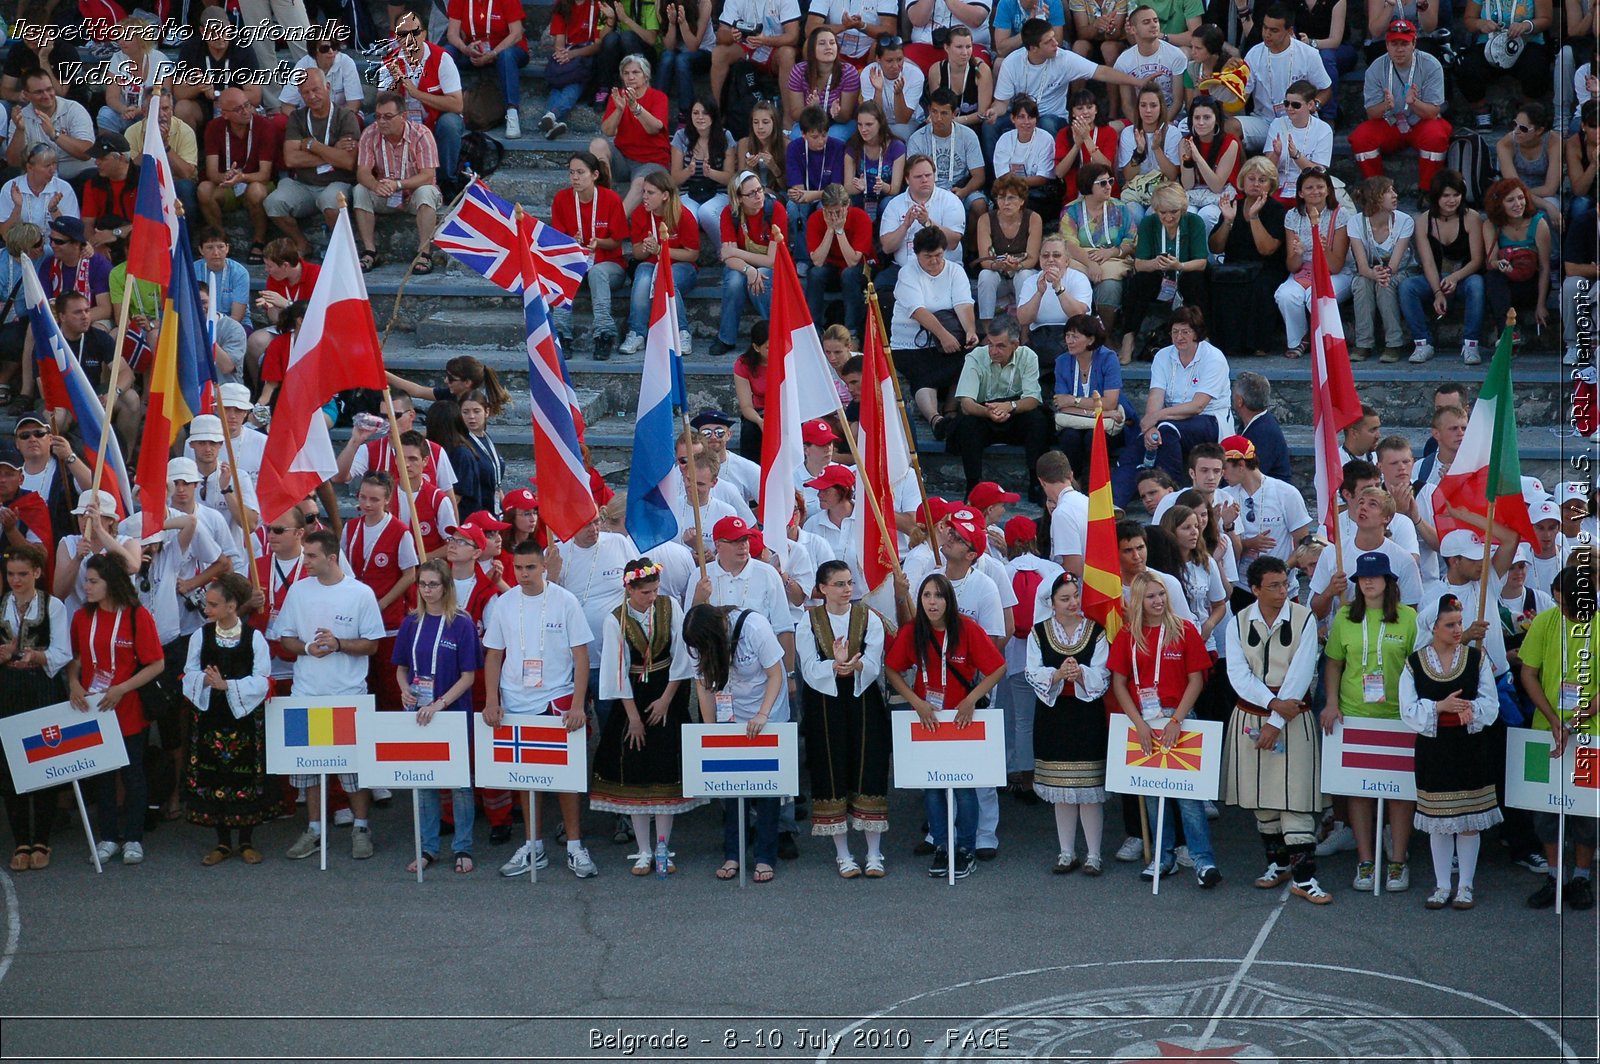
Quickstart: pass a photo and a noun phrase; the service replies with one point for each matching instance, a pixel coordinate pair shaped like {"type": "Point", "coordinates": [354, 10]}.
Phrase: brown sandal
{"type": "Point", "coordinates": [22, 858]}
{"type": "Point", "coordinates": [40, 858]}
{"type": "Point", "coordinates": [217, 856]}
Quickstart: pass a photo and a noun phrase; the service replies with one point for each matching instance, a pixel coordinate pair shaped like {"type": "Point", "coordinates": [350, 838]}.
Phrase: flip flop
{"type": "Point", "coordinates": [763, 873]}
{"type": "Point", "coordinates": [40, 858]}
{"type": "Point", "coordinates": [217, 856]}
{"type": "Point", "coordinates": [463, 863]}
{"type": "Point", "coordinates": [729, 870]}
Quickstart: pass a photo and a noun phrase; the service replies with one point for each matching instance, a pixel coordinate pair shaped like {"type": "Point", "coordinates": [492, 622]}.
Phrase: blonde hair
{"type": "Point", "coordinates": [1259, 164]}
{"type": "Point", "coordinates": [1169, 196]}
{"type": "Point", "coordinates": [839, 334]}
{"type": "Point", "coordinates": [1384, 498]}
{"type": "Point", "coordinates": [1171, 623]}
{"type": "Point", "coordinates": [440, 568]}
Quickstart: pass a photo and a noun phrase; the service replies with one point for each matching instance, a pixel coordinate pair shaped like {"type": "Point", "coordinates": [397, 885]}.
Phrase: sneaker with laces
{"type": "Point", "coordinates": [1469, 353]}
{"type": "Point", "coordinates": [1534, 862]}
{"type": "Point", "coordinates": [360, 843]}
{"type": "Point", "coordinates": [1421, 351]}
{"type": "Point", "coordinates": [382, 796]}
{"type": "Point", "coordinates": [307, 844]}
{"type": "Point", "coordinates": [1208, 877]}
{"type": "Point", "coordinates": [1464, 898]}
{"type": "Point", "coordinates": [1275, 876]}
{"type": "Point", "coordinates": [1365, 872]}
{"type": "Point", "coordinates": [557, 131]}
{"type": "Point", "coordinates": [548, 120]}
{"type": "Point", "coordinates": [1149, 872]}
{"type": "Point", "coordinates": [343, 818]}
{"type": "Point", "coordinates": [1131, 849]}
{"type": "Point", "coordinates": [520, 861]}
{"type": "Point", "coordinates": [513, 124]}
{"type": "Point", "coordinates": [966, 861]}
{"type": "Point", "coordinates": [1397, 877]}
{"type": "Point", "coordinates": [685, 342]}
{"type": "Point", "coordinates": [1340, 840]}
{"type": "Point", "coordinates": [106, 851]}
{"type": "Point", "coordinates": [1312, 892]}
{"type": "Point", "coordinates": [1183, 858]}
{"type": "Point", "coordinates": [631, 344]}
{"type": "Point", "coordinates": [939, 867]}
{"type": "Point", "coordinates": [1438, 899]}
{"type": "Point", "coordinates": [581, 864]}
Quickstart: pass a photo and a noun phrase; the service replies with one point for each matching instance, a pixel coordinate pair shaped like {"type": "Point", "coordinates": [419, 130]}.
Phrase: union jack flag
{"type": "Point", "coordinates": [481, 234]}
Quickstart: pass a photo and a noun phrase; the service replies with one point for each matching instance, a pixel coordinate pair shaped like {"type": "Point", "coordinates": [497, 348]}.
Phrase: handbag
{"type": "Point", "coordinates": [952, 324]}
{"type": "Point", "coordinates": [1524, 263]}
{"type": "Point", "coordinates": [983, 702]}
{"type": "Point", "coordinates": [574, 71]}
{"type": "Point", "coordinates": [1138, 190]}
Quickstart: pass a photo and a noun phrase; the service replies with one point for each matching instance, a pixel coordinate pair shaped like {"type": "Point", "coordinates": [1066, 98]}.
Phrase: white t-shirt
{"type": "Point", "coordinates": [36, 206]}
{"type": "Point", "coordinates": [743, 474]}
{"type": "Point", "coordinates": [977, 597]}
{"type": "Point", "coordinates": [1046, 82]}
{"type": "Point", "coordinates": [854, 43]}
{"type": "Point", "coordinates": [941, 18]}
{"type": "Point", "coordinates": [594, 575]}
{"type": "Point", "coordinates": [944, 210]}
{"type": "Point", "coordinates": [1171, 144]}
{"type": "Point", "coordinates": [1401, 227]}
{"type": "Point", "coordinates": [344, 81]}
{"type": "Point", "coordinates": [916, 289]}
{"type": "Point", "coordinates": [1202, 586]}
{"type": "Point", "coordinates": [757, 651]}
{"type": "Point", "coordinates": [757, 587]}
{"type": "Point", "coordinates": [1069, 525]}
{"type": "Point", "coordinates": [1272, 73]}
{"type": "Point", "coordinates": [1177, 600]}
{"type": "Point", "coordinates": [1402, 533]}
{"type": "Point", "coordinates": [1075, 281]}
{"type": "Point", "coordinates": [1494, 643]}
{"type": "Point", "coordinates": [914, 81]}
{"type": "Point", "coordinates": [248, 447]}
{"type": "Point", "coordinates": [770, 15]}
{"type": "Point", "coordinates": [954, 157]}
{"type": "Point", "coordinates": [1403, 564]}
{"type": "Point", "coordinates": [1206, 373]}
{"type": "Point", "coordinates": [360, 466]}
{"type": "Point", "coordinates": [216, 494]}
{"type": "Point", "coordinates": [1037, 158]}
{"type": "Point", "coordinates": [1165, 67]}
{"type": "Point", "coordinates": [39, 483]}
{"type": "Point", "coordinates": [538, 634]}
{"type": "Point", "coordinates": [1315, 142]}
{"type": "Point", "coordinates": [349, 610]}
{"type": "Point", "coordinates": [1277, 508]}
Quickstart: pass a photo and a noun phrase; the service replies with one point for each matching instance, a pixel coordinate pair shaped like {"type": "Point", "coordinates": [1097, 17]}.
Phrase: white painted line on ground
{"type": "Point", "coordinates": [1221, 1012]}
{"type": "Point", "coordinates": [13, 924]}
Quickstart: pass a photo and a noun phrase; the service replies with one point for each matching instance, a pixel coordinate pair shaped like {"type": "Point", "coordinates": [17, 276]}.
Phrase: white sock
{"type": "Point", "coordinates": [1066, 826]}
{"type": "Point", "coordinates": [1467, 856]}
{"type": "Point", "coordinates": [360, 824]}
{"type": "Point", "coordinates": [641, 832]}
{"type": "Point", "coordinates": [841, 845]}
{"type": "Point", "coordinates": [874, 844]}
{"type": "Point", "coordinates": [1444, 848]}
{"type": "Point", "coordinates": [316, 827]}
{"type": "Point", "coordinates": [1093, 817]}
{"type": "Point", "coordinates": [574, 845]}
{"type": "Point", "coordinates": [1579, 873]}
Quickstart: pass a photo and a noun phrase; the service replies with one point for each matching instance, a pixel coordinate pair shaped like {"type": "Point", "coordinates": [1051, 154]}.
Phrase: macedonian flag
{"type": "Point", "coordinates": [1181, 756]}
{"type": "Point", "coordinates": [1102, 572]}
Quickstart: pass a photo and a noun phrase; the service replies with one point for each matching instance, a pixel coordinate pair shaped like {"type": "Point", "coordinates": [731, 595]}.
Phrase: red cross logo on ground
{"type": "Point", "coordinates": [1171, 1052]}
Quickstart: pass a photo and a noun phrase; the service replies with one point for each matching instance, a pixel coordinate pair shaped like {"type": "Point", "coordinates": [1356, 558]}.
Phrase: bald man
{"type": "Point", "coordinates": [241, 148]}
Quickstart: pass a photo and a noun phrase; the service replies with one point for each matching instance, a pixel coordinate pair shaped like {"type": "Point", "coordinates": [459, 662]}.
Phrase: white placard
{"type": "Point", "coordinates": [396, 751]}
{"type": "Point", "coordinates": [974, 756]}
{"type": "Point", "coordinates": [531, 752]}
{"type": "Point", "coordinates": [59, 744]}
{"type": "Point", "coordinates": [1190, 768]}
{"type": "Point", "coordinates": [722, 761]}
{"type": "Point", "coordinates": [1369, 757]}
{"type": "Point", "coordinates": [308, 736]}
{"type": "Point", "coordinates": [1536, 781]}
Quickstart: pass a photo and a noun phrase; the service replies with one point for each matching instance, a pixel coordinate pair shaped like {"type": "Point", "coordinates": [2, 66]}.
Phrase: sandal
{"type": "Point", "coordinates": [729, 870]}
{"type": "Point", "coordinates": [427, 862]}
{"type": "Point", "coordinates": [257, 253]}
{"type": "Point", "coordinates": [848, 869]}
{"type": "Point", "coordinates": [463, 863]}
{"type": "Point", "coordinates": [422, 265]}
{"type": "Point", "coordinates": [21, 858]}
{"type": "Point", "coordinates": [875, 867]}
{"type": "Point", "coordinates": [763, 873]}
{"type": "Point", "coordinates": [642, 863]}
{"type": "Point", "coordinates": [217, 856]}
{"type": "Point", "coordinates": [369, 260]}
{"type": "Point", "coordinates": [249, 854]}
{"type": "Point", "coordinates": [40, 858]}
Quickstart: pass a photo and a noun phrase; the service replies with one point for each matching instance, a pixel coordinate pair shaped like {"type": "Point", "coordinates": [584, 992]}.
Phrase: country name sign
{"type": "Point", "coordinates": [397, 751]}
{"type": "Point", "coordinates": [1190, 768]}
{"type": "Point", "coordinates": [58, 744]}
{"type": "Point", "coordinates": [948, 756]}
{"type": "Point", "coordinates": [1369, 757]}
{"type": "Point", "coordinates": [1535, 780]}
{"type": "Point", "coordinates": [314, 735]}
{"type": "Point", "coordinates": [528, 752]}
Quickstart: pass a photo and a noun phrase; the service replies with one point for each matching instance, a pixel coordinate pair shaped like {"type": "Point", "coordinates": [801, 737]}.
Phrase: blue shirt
{"type": "Point", "coordinates": [234, 287]}
{"type": "Point", "coordinates": [1272, 449]}
{"type": "Point", "coordinates": [458, 651]}
{"type": "Point", "coordinates": [1009, 15]}
{"type": "Point", "coordinates": [1105, 373]}
{"type": "Point", "coordinates": [814, 170]}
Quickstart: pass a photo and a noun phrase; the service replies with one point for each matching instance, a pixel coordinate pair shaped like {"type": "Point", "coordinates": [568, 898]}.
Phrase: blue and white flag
{"type": "Point", "coordinates": [655, 482]}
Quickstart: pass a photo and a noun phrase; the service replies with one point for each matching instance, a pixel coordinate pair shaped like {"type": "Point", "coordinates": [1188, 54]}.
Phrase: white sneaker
{"type": "Point", "coordinates": [513, 124]}
{"type": "Point", "coordinates": [382, 794]}
{"type": "Point", "coordinates": [1183, 858]}
{"type": "Point", "coordinates": [133, 853]}
{"type": "Point", "coordinates": [343, 818]}
{"type": "Point", "coordinates": [520, 861]}
{"type": "Point", "coordinates": [632, 344]}
{"type": "Point", "coordinates": [547, 121]}
{"type": "Point", "coordinates": [1132, 849]}
{"type": "Point", "coordinates": [1469, 353]}
{"type": "Point", "coordinates": [685, 342]}
{"type": "Point", "coordinates": [1421, 351]}
{"type": "Point", "coordinates": [1340, 840]}
{"type": "Point", "coordinates": [581, 864]}
{"type": "Point", "coordinates": [106, 850]}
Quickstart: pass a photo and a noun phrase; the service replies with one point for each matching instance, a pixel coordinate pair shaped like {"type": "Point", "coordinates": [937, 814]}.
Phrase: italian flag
{"type": "Point", "coordinates": [1486, 477]}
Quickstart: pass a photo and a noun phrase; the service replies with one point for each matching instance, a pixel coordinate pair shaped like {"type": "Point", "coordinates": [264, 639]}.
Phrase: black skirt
{"type": "Point", "coordinates": [649, 779]}
{"type": "Point", "coordinates": [1456, 774]}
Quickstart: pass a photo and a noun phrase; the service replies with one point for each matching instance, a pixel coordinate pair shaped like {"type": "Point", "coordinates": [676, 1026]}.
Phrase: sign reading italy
{"type": "Point", "coordinates": [58, 744]}
{"type": "Point", "coordinates": [1535, 780]}
{"type": "Point", "coordinates": [314, 735]}
{"type": "Point", "coordinates": [948, 756]}
{"type": "Point", "coordinates": [1190, 768]}
{"type": "Point", "coordinates": [724, 761]}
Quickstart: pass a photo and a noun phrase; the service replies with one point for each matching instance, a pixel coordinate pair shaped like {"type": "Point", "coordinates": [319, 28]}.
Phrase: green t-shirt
{"type": "Point", "coordinates": [1175, 14]}
{"type": "Point", "coordinates": [1563, 651]}
{"type": "Point", "coordinates": [1385, 647]}
{"type": "Point", "coordinates": [1188, 245]}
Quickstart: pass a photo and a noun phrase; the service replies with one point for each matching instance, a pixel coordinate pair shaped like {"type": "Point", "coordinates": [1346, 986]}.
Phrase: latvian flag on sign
{"type": "Point", "coordinates": [738, 753]}
{"type": "Point", "coordinates": [1375, 748]}
{"type": "Point", "coordinates": [56, 741]}
{"type": "Point", "coordinates": [947, 732]}
{"type": "Point", "coordinates": [538, 745]}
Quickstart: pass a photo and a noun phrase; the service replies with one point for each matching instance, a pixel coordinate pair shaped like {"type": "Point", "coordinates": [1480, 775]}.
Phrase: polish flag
{"type": "Point", "coordinates": [1334, 402]}
{"type": "Point", "coordinates": [336, 349]}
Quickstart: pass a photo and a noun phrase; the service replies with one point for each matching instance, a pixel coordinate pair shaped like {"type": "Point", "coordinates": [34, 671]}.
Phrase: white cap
{"type": "Point", "coordinates": [1531, 486]}
{"type": "Point", "coordinates": [206, 428]}
{"type": "Point", "coordinates": [1524, 555]}
{"type": "Point", "coordinates": [107, 503]}
{"type": "Point", "coordinates": [1572, 491]}
{"type": "Point", "coordinates": [1462, 543]}
{"type": "Point", "coordinates": [237, 397]}
{"type": "Point", "coordinates": [183, 471]}
{"type": "Point", "coordinates": [1543, 508]}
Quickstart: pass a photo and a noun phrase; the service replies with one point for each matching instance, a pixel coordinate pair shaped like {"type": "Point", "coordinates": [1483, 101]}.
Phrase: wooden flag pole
{"type": "Point", "coordinates": [111, 384]}
{"type": "Point", "coordinates": [394, 313]}
{"type": "Point", "coordinates": [872, 499]}
{"type": "Point", "coordinates": [905, 423]}
{"type": "Point", "coordinates": [691, 483]}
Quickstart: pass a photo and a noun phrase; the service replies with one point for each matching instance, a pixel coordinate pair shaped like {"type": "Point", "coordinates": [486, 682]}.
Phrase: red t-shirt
{"type": "Point", "coordinates": [758, 383]}
{"type": "Point", "coordinates": [1178, 660]}
{"type": "Point", "coordinates": [857, 230]}
{"type": "Point", "coordinates": [975, 656]}
{"type": "Point", "coordinates": [262, 142]}
{"type": "Point", "coordinates": [686, 234]}
{"type": "Point", "coordinates": [756, 233]}
{"type": "Point", "coordinates": [119, 644]}
{"type": "Point", "coordinates": [602, 218]}
{"type": "Point", "coordinates": [295, 293]}
{"type": "Point", "coordinates": [275, 360]}
{"type": "Point", "coordinates": [578, 27]}
{"type": "Point", "coordinates": [1105, 138]}
{"type": "Point", "coordinates": [631, 139]}
{"type": "Point", "coordinates": [487, 20]}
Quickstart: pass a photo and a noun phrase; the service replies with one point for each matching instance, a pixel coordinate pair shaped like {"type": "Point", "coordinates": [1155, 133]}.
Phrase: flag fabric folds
{"type": "Point", "coordinates": [1102, 569]}
{"type": "Point", "coordinates": [881, 450]}
{"type": "Point", "coordinates": [155, 209]}
{"type": "Point", "coordinates": [654, 480]}
{"type": "Point", "coordinates": [481, 234]}
{"type": "Point", "coordinates": [1334, 403]}
{"type": "Point", "coordinates": [1487, 470]}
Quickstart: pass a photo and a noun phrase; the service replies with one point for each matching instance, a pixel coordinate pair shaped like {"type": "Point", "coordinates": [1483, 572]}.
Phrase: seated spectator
{"type": "Point", "coordinates": [1516, 240]}
{"type": "Point", "coordinates": [660, 210]}
{"type": "Point", "coordinates": [1298, 140]}
{"type": "Point", "coordinates": [858, 23]}
{"type": "Point", "coordinates": [1252, 410]}
{"type": "Point", "coordinates": [1583, 158]}
{"type": "Point", "coordinates": [35, 46]}
{"type": "Point", "coordinates": [228, 341]}
{"type": "Point", "coordinates": [397, 166]}
{"type": "Point", "coordinates": [1086, 140]}
{"type": "Point", "coordinates": [53, 121]}
{"type": "Point", "coordinates": [228, 278]}
{"type": "Point", "coordinates": [1507, 40]}
{"type": "Point", "coordinates": [1150, 143]}
{"type": "Point", "coordinates": [74, 266]}
{"type": "Point", "coordinates": [814, 161]}
{"type": "Point", "coordinates": [290, 279]}
{"type": "Point", "coordinates": [38, 195]}
{"type": "Point", "coordinates": [1380, 243]}
{"type": "Point", "coordinates": [1050, 298]}
{"type": "Point", "coordinates": [1313, 198]}
{"type": "Point", "coordinates": [1580, 280]}
{"type": "Point", "coordinates": [750, 391]}
{"type": "Point", "coordinates": [24, 246]}
{"type": "Point", "coordinates": [275, 359]}
{"type": "Point", "coordinates": [1169, 260]}
{"type": "Point", "coordinates": [319, 152]}
{"type": "Point", "coordinates": [1280, 60]}
{"type": "Point", "coordinates": [1099, 233]}
{"type": "Point", "coordinates": [1025, 153]}
{"type": "Point", "coordinates": [1088, 378]}
{"type": "Point", "coordinates": [1189, 394]}
{"type": "Point", "coordinates": [1217, 72]}
{"type": "Point", "coordinates": [183, 154]}
{"type": "Point", "coordinates": [498, 41]}
{"type": "Point", "coordinates": [965, 73]}
{"type": "Point", "coordinates": [1011, 15]}
{"type": "Point", "coordinates": [1424, 18]}
{"type": "Point", "coordinates": [575, 31]}
{"type": "Point", "coordinates": [1151, 59]}
{"type": "Point", "coordinates": [895, 85]}
{"type": "Point", "coordinates": [823, 80]}
{"type": "Point", "coordinates": [838, 242]}
{"type": "Point", "coordinates": [747, 255]}
{"type": "Point", "coordinates": [921, 205]}
{"type": "Point", "coordinates": [429, 82]}
{"type": "Point", "coordinates": [1324, 27]}
{"type": "Point", "coordinates": [137, 68]}
{"type": "Point", "coordinates": [1449, 251]}
{"type": "Point", "coordinates": [1250, 237]}
{"type": "Point", "coordinates": [112, 191]}
{"type": "Point", "coordinates": [764, 149]}
{"type": "Point", "coordinates": [207, 64]}
{"type": "Point", "coordinates": [1209, 160]}
{"type": "Point", "coordinates": [242, 150]}
{"type": "Point", "coordinates": [1180, 21]}
{"type": "Point", "coordinates": [592, 212]}
{"type": "Point", "coordinates": [998, 401]}
{"type": "Point", "coordinates": [288, 17]}
{"type": "Point", "coordinates": [343, 77]}
{"type": "Point", "coordinates": [1008, 244]}
{"type": "Point", "coordinates": [1044, 71]}
{"type": "Point", "coordinates": [932, 325]}
{"type": "Point", "coordinates": [144, 302]}
{"type": "Point", "coordinates": [927, 19]}
{"type": "Point", "coordinates": [703, 165]}
{"type": "Point", "coordinates": [1099, 30]}
{"type": "Point", "coordinates": [1404, 97]}
{"type": "Point", "coordinates": [758, 32]}
{"type": "Point", "coordinates": [633, 141]}
{"type": "Point", "coordinates": [874, 161]}
{"type": "Point", "coordinates": [1531, 152]}
{"type": "Point", "coordinates": [957, 156]}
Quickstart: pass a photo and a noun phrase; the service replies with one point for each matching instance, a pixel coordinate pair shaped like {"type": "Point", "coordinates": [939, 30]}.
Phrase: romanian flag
{"type": "Point", "coordinates": [183, 354]}
{"type": "Point", "coordinates": [1102, 572]}
{"type": "Point", "coordinates": [947, 732]}
{"type": "Point", "coordinates": [320, 726]}
{"type": "Point", "coordinates": [155, 210]}
{"type": "Point", "coordinates": [1182, 756]}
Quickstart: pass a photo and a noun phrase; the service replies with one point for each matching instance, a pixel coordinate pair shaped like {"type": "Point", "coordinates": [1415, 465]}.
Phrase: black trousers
{"type": "Point", "coordinates": [972, 434]}
{"type": "Point", "coordinates": [1532, 70]}
{"type": "Point", "coordinates": [1139, 292]}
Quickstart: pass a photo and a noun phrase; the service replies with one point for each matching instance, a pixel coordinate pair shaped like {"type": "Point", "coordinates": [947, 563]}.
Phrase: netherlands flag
{"type": "Point", "coordinates": [55, 741]}
{"type": "Point", "coordinates": [1378, 749]}
{"type": "Point", "coordinates": [654, 479]}
{"type": "Point", "coordinates": [738, 753]}
{"type": "Point", "coordinates": [518, 745]}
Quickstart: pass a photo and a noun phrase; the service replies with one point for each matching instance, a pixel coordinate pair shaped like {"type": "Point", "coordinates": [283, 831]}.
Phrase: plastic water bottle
{"type": "Point", "coordinates": [661, 857]}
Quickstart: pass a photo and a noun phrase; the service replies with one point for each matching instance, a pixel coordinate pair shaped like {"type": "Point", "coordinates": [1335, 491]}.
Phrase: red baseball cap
{"type": "Point", "coordinates": [1401, 29]}
{"type": "Point", "coordinates": [934, 511]}
{"type": "Point", "coordinates": [731, 529]}
{"type": "Point", "coordinates": [1238, 448]}
{"type": "Point", "coordinates": [487, 522]}
{"type": "Point", "coordinates": [521, 499]}
{"type": "Point", "coordinates": [1021, 529]}
{"type": "Point", "coordinates": [758, 542]}
{"type": "Point", "coordinates": [987, 493]}
{"type": "Point", "coordinates": [835, 476]}
{"type": "Point", "coordinates": [817, 433]}
{"type": "Point", "coordinates": [969, 525]}
{"type": "Point", "coordinates": [470, 532]}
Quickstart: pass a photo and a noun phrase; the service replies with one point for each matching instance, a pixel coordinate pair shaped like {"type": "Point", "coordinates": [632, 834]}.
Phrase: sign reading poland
{"type": "Point", "coordinates": [397, 751]}
{"type": "Point", "coordinates": [948, 756]}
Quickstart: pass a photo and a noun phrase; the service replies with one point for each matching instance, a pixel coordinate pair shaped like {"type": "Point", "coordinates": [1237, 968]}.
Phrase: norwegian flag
{"type": "Point", "coordinates": [137, 350]}
{"type": "Point", "coordinates": [481, 234]}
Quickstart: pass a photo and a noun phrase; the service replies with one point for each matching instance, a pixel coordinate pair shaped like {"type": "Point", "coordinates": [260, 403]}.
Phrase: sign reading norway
{"type": "Point", "coordinates": [313, 735]}
{"type": "Point", "coordinates": [531, 752]}
{"type": "Point", "coordinates": [723, 761]}
{"type": "Point", "coordinates": [59, 744]}
{"type": "Point", "coordinates": [948, 756]}
{"type": "Point", "coordinates": [1567, 784]}
{"type": "Point", "coordinates": [396, 751]}
{"type": "Point", "coordinates": [1190, 768]}
{"type": "Point", "coordinates": [1370, 757]}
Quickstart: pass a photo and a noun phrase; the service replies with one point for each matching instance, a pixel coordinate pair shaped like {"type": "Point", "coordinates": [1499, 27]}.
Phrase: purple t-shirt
{"type": "Point", "coordinates": [444, 654]}
{"type": "Point", "coordinates": [814, 170]}
{"type": "Point", "coordinates": [845, 79]}
{"type": "Point", "coordinates": [879, 170]}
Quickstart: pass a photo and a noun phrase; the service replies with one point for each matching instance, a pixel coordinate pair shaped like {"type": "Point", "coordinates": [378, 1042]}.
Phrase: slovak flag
{"type": "Point", "coordinates": [55, 741]}
{"type": "Point", "coordinates": [739, 753]}
{"type": "Point", "coordinates": [655, 479]}
{"type": "Point", "coordinates": [155, 207]}
{"type": "Point", "coordinates": [536, 745]}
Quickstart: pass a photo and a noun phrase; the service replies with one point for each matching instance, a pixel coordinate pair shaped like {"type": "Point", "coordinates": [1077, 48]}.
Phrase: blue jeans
{"type": "Point", "coordinates": [675, 74]}
{"type": "Point", "coordinates": [799, 214]}
{"type": "Point", "coordinates": [1196, 830]}
{"type": "Point", "coordinates": [603, 280]}
{"type": "Point", "coordinates": [134, 798]}
{"type": "Point", "coordinates": [933, 802]}
{"type": "Point", "coordinates": [1337, 61]}
{"type": "Point", "coordinates": [765, 845]}
{"type": "Point", "coordinates": [683, 275]}
{"type": "Point", "coordinates": [563, 100]}
{"type": "Point", "coordinates": [506, 65]}
{"type": "Point", "coordinates": [735, 290]}
{"type": "Point", "coordinates": [447, 135]}
{"type": "Point", "coordinates": [429, 803]}
{"type": "Point", "coordinates": [1416, 306]}
{"type": "Point", "coordinates": [852, 285]}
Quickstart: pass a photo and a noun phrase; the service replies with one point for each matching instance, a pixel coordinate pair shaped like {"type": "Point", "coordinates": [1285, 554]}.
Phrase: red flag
{"type": "Point", "coordinates": [1334, 402]}
{"type": "Point", "coordinates": [877, 407]}
{"type": "Point", "coordinates": [335, 349]}
{"type": "Point", "coordinates": [1102, 569]}
{"type": "Point", "coordinates": [155, 208]}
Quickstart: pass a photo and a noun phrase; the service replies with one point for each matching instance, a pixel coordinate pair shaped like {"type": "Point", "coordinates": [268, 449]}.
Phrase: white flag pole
{"type": "Point", "coordinates": [742, 855]}
{"type": "Point", "coordinates": [322, 836]}
{"type": "Point", "coordinates": [416, 827]}
{"type": "Point", "coordinates": [1377, 851]}
{"type": "Point", "coordinates": [950, 836]}
{"type": "Point", "coordinates": [1561, 854]}
{"type": "Point", "coordinates": [88, 829]}
{"type": "Point", "coordinates": [1155, 845]}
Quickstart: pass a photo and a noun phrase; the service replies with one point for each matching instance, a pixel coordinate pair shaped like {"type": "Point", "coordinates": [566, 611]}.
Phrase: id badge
{"type": "Point", "coordinates": [1403, 124]}
{"type": "Point", "coordinates": [935, 699]}
{"type": "Point", "coordinates": [724, 707]}
{"type": "Point", "coordinates": [1150, 703]}
{"type": "Point", "coordinates": [532, 672]}
{"type": "Point", "coordinates": [394, 199]}
{"type": "Point", "coordinates": [1571, 697]}
{"type": "Point", "coordinates": [422, 689]}
{"type": "Point", "coordinates": [101, 681]}
{"type": "Point", "coordinates": [238, 189]}
{"type": "Point", "coordinates": [1169, 290]}
{"type": "Point", "coordinates": [325, 168]}
{"type": "Point", "coordinates": [1372, 691]}
{"type": "Point", "coordinates": [1278, 109]}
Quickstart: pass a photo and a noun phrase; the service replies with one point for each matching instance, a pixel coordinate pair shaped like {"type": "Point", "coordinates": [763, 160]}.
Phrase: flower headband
{"type": "Point", "coordinates": [649, 571]}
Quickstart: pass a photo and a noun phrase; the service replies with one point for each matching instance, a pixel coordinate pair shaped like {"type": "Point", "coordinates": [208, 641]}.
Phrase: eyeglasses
{"type": "Point", "coordinates": [33, 434]}
{"type": "Point", "coordinates": [278, 530]}
{"type": "Point", "coordinates": [714, 432]}
{"type": "Point", "coordinates": [1106, 181]}
{"type": "Point", "coordinates": [434, 584]}
{"type": "Point", "coordinates": [452, 376]}
{"type": "Point", "coordinates": [1294, 105]}
{"type": "Point", "coordinates": [889, 43]}
{"type": "Point", "coordinates": [322, 49]}
{"type": "Point", "coordinates": [386, 116]}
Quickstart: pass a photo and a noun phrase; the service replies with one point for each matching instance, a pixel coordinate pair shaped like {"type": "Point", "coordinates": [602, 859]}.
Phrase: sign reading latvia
{"type": "Point", "coordinates": [1370, 758]}
{"type": "Point", "coordinates": [307, 736]}
{"type": "Point", "coordinates": [1535, 780]}
{"type": "Point", "coordinates": [58, 744]}
{"type": "Point", "coordinates": [396, 751]}
{"type": "Point", "coordinates": [974, 756]}
{"type": "Point", "coordinates": [1189, 768]}
{"type": "Point", "coordinates": [722, 761]}
{"type": "Point", "coordinates": [531, 753]}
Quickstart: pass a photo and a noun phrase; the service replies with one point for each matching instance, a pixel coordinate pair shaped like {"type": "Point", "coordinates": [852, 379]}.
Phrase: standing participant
{"type": "Point", "coordinates": [435, 509]}
{"type": "Point", "coordinates": [239, 510]}
{"type": "Point", "coordinates": [1270, 758]}
{"type": "Point", "coordinates": [330, 622]}
{"type": "Point", "coordinates": [1067, 654]}
{"type": "Point", "coordinates": [380, 552]}
{"type": "Point", "coordinates": [538, 667]}
{"type": "Point", "coordinates": [1448, 696]}
{"type": "Point", "coordinates": [476, 589]}
{"type": "Point", "coordinates": [35, 645]}
{"type": "Point", "coordinates": [1372, 511]}
{"type": "Point", "coordinates": [1272, 513]}
{"type": "Point", "coordinates": [277, 571]}
{"type": "Point", "coordinates": [736, 578]}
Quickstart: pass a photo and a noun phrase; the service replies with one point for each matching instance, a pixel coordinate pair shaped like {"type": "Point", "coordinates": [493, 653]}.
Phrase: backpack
{"type": "Point", "coordinates": [1470, 156]}
{"type": "Point", "coordinates": [747, 86]}
{"type": "Point", "coordinates": [481, 153]}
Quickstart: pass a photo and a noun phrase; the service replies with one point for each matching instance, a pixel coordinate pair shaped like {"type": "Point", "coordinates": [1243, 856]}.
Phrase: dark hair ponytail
{"type": "Point", "coordinates": [706, 634]}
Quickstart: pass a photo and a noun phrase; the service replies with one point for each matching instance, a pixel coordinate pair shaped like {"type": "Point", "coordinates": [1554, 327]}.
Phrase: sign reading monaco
{"type": "Point", "coordinates": [1535, 780]}
{"type": "Point", "coordinates": [1368, 757]}
{"type": "Point", "coordinates": [397, 751]}
{"type": "Point", "coordinates": [1190, 768]}
{"type": "Point", "coordinates": [723, 761]}
{"type": "Point", "coordinates": [948, 756]}
{"type": "Point", "coordinates": [531, 752]}
{"type": "Point", "coordinates": [59, 744]}
{"type": "Point", "coordinates": [314, 735]}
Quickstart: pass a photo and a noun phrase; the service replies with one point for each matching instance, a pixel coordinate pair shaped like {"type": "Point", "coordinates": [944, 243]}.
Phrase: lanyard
{"type": "Point", "coordinates": [488, 17]}
{"type": "Point", "coordinates": [1105, 225]}
{"type": "Point", "coordinates": [522, 628]}
{"type": "Point", "coordinates": [279, 583]}
{"type": "Point", "coordinates": [1177, 241]}
{"type": "Point", "coordinates": [1366, 646]}
{"type": "Point", "coordinates": [383, 143]}
{"type": "Point", "coordinates": [438, 634]}
{"type": "Point", "coordinates": [1405, 84]}
{"type": "Point", "coordinates": [594, 214]}
{"type": "Point", "coordinates": [944, 638]}
{"type": "Point", "coordinates": [94, 629]}
{"type": "Point", "coordinates": [594, 567]}
{"type": "Point", "coordinates": [485, 445]}
{"type": "Point", "coordinates": [805, 175]}
{"type": "Point", "coordinates": [249, 143]}
{"type": "Point", "coordinates": [1161, 639]}
{"type": "Point", "coordinates": [358, 542]}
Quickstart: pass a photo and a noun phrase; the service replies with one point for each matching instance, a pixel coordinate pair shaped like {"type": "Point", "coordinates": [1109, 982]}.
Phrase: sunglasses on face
{"type": "Point", "coordinates": [715, 432]}
{"type": "Point", "coordinates": [278, 530]}
{"type": "Point", "coordinates": [408, 34]}
{"type": "Point", "coordinates": [1294, 105]}
{"type": "Point", "coordinates": [1523, 128]}
{"type": "Point", "coordinates": [59, 240]}
{"type": "Point", "coordinates": [33, 434]}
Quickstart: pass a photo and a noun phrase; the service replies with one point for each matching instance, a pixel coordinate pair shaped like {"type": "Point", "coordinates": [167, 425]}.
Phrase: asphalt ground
{"type": "Point", "coordinates": [171, 960]}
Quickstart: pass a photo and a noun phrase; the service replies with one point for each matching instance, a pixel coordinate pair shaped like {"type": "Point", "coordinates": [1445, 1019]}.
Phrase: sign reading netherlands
{"type": "Point", "coordinates": [531, 752]}
{"type": "Point", "coordinates": [1368, 757]}
{"type": "Point", "coordinates": [59, 743]}
{"type": "Point", "coordinates": [723, 761]}
{"type": "Point", "coordinates": [1190, 768]}
{"type": "Point", "coordinates": [948, 756]}
{"type": "Point", "coordinates": [314, 735]}
{"type": "Point", "coordinates": [396, 751]}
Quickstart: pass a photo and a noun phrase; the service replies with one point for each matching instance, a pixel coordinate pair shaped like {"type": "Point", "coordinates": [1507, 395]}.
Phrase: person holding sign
{"type": "Point", "coordinates": [35, 644]}
{"type": "Point", "coordinates": [226, 676]}
{"type": "Point", "coordinates": [740, 677]}
{"type": "Point", "coordinates": [1159, 665]}
{"type": "Point", "coordinates": [1366, 650]}
{"type": "Point", "coordinates": [1558, 673]}
{"type": "Point", "coordinates": [1067, 656]}
{"type": "Point", "coordinates": [847, 727]}
{"type": "Point", "coordinates": [115, 651]}
{"type": "Point", "coordinates": [436, 657]}
{"type": "Point", "coordinates": [1448, 696]}
{"type": "Point", "coordinates": [638, 767]}
{"type": "Point", "coordinates": [956, 664]}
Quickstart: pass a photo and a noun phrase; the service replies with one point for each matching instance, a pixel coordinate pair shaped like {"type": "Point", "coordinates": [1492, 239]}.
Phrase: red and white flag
{"type": "Point", "coordinates": [1334, 403]}
{"type": "Point", "coordinates": [885, 458]}
{"type": "Point", "coordinates": [335, 350]}
{"type": "Point", "coordinates": [1382, 749]}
